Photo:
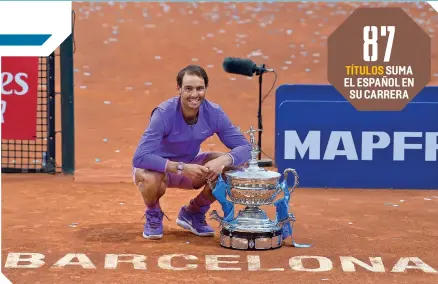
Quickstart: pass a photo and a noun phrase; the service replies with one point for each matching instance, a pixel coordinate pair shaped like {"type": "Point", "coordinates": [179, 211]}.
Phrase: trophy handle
{"type": "Point", "coordinates": [289, 218]}
{"type": "Point", "coordinates": [296, 181]}
{"type": "Point", "coordinates": [279, 190]}
{"type": "Point", "coordinates": [215, 216]}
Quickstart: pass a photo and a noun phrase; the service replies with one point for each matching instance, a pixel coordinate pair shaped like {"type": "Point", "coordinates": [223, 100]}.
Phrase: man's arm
{"type": "Point", "coordinates": [232, 138]}
{"type": "Point", "coordinates": [144, 157]}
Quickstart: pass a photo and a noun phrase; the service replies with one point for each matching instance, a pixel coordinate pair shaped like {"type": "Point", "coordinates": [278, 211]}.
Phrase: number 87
{"type": "Point", "coordinates": [373, 42]}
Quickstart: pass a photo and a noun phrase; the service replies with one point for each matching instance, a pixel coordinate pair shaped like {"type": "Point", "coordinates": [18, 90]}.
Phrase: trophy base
{"type": "Point", "coordinates": [251, 241]}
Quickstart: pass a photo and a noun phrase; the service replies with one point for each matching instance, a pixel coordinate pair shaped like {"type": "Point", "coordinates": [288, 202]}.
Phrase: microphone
{"type": "Point", "coordinates": [243, 67]}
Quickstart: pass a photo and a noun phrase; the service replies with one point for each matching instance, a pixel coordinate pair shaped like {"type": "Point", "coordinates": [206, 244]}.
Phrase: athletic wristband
{"type": "Point", "coordinates": [232, 159]}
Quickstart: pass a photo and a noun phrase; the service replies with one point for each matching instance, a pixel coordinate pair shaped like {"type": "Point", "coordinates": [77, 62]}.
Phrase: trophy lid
{"type": "Point", "coordinates": [253, 171]}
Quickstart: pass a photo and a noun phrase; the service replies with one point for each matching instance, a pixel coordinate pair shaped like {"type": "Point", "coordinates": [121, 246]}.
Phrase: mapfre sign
{"type": "Point", "coordinates": [19, 93]}
{"type": "Point", "coordinates": [334, 145]}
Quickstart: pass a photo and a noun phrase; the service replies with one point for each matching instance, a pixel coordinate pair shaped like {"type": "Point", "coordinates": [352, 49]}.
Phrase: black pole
{"type": "Point", "coordinates": [51, 106]}
{"type": "Point", "coordinates": [259, 115]}
{"type": "Point", "coordinates": [67, 106]}
{"type": "Point", "coordinates": [265, 162]}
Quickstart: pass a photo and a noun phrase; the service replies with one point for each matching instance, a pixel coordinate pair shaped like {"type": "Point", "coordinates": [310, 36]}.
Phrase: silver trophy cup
{"type": "Point", "coordinates": [253, 187]}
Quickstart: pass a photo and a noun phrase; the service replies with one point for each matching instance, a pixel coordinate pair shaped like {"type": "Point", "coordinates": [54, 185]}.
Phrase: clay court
{"type": "Point", "coordinates": [126, 60]}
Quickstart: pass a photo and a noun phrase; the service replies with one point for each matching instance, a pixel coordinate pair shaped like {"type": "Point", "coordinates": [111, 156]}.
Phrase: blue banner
{"type": "Point", "coordinates": [331, 144]}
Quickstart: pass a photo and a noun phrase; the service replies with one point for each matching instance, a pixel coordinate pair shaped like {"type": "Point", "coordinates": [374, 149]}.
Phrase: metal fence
{"type": "Point", "coordinates": [36, 156]}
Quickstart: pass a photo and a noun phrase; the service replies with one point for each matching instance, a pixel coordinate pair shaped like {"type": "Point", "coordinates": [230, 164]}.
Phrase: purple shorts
{"type": "Point", "coordinates": [179, 181]}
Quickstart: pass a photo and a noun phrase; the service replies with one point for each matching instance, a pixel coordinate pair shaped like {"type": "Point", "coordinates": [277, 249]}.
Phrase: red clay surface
{"type": "Point", "coordinates": [128, 54]}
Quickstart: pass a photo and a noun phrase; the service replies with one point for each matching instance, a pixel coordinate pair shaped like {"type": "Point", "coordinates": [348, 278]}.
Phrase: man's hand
{"type": "Point", "coordinates": [216, 166]}
{"type": "Point", "coordinates": [193, 171]}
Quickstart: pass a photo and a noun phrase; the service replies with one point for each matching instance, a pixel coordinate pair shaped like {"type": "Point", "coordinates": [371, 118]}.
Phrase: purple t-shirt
{"type": "Point", "coordinates": [169, 137]}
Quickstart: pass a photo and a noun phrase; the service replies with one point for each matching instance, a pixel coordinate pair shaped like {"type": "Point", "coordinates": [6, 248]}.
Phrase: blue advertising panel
{"type": "Point", "coordinates": [331, 144]}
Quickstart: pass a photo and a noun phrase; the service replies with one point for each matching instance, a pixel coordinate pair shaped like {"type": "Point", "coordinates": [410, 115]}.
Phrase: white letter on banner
{"type": "Point", "coordinates": [368, 144]}
{"type": "Point", "coordinates": [431, 146]}
{"type": "Point", "coordinates": [333, 146]}
{"type": "Point", "coordinates": [292, 144]}
{"type": "Point", "coordinates": [400, 144]}
{"type": "Point", "coordinates": [3, 111]}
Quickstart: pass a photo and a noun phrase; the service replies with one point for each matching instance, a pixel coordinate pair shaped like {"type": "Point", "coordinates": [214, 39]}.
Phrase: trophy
{"type": "Point", "coordinates": [253, 187]}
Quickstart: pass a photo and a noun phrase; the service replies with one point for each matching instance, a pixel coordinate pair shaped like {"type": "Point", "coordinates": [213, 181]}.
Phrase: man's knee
{"type": "Point", "coordinates": [197, 184]}
{"type": "Point", "coordinates": [149, 178]}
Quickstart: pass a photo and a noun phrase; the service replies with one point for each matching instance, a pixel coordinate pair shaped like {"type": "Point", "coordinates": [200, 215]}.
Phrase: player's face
{"type": "Point", "coordinates": [192, 91]}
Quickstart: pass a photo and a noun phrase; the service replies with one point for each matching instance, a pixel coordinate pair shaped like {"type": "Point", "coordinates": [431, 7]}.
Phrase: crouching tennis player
{"type": "Point", "coordinates": [169, 156]}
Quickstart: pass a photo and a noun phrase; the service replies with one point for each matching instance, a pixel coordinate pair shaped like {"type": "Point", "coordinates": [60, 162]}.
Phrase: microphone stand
{"type": "Point", "coordinates": [261, 162]}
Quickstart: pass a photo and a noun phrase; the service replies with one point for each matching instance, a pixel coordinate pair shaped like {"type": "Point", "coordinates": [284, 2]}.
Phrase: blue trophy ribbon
{"type": "Point", "coordinates": [220, 193]}
{"type": "Point", "coordinates": [282, 208]}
